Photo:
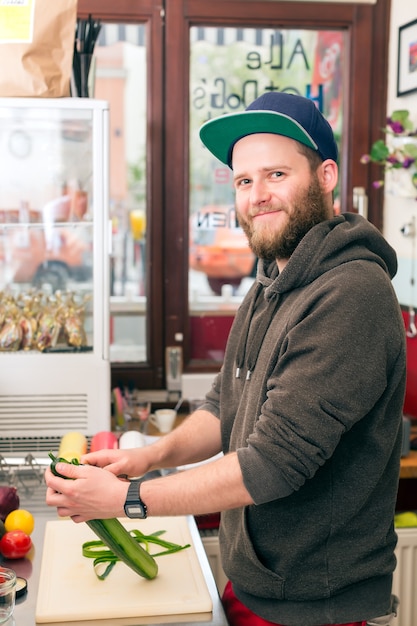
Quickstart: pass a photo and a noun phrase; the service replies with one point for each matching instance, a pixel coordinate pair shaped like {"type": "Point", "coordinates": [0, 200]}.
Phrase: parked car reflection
{"type": "Point", "coordinates": [219, 248]}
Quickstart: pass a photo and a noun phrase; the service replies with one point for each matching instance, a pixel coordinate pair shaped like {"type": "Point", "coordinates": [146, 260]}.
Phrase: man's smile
{"type": "Point", "coordinates": [265, 213]}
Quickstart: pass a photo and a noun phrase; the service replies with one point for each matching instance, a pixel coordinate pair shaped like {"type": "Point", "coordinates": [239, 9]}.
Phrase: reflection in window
{"type": "Point", "coordinates": [229, 68]}
{"type": "Point", "coordinates": [120, 78]}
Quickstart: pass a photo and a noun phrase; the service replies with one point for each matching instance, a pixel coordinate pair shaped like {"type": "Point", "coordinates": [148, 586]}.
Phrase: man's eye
{"type": "Point", "coordinates": [276, 174]}
{"type": "Point", "coordinates": [243, 182]}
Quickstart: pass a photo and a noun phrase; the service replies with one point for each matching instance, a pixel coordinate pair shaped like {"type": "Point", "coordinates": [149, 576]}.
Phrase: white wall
{"type": "Point", "coordinates": [399, 211]}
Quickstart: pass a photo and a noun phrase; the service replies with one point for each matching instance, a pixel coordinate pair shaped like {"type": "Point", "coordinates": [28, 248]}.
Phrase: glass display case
{"type": "Point", "coordinates": [55, 237]}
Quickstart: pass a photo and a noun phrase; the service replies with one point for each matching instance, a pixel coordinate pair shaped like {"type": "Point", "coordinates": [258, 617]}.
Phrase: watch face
{"type": "Point", "coordinates": [134, 507]}
{"type": "Point", "coordinates": [135, 510]}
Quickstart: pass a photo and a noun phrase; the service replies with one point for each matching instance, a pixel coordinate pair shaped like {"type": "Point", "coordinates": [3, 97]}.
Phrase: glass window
{"type": "Point", "coordinates": [165, 72]}
{"type": "Point", "coordinates": [120, 78]}
{"type": "Point", "coordinates": [229, 68]}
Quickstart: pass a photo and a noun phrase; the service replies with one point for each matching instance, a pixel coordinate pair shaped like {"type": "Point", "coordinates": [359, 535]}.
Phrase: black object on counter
{"type": "Point", "coordinates": [86, 35]}
{"type": "Point", "coordinates": [21, 587]}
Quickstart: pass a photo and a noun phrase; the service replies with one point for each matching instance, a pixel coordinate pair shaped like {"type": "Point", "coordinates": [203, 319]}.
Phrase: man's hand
{"type": "Point", "coordinates": [125, 463]}
{"type": "Point", "coordinates": [91, 492]}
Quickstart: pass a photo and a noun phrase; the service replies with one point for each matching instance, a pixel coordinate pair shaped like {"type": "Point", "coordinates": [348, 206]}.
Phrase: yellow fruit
{"type": "Point", "coordinates": [72, 446]}
{"type": "Point", "coordinates": [20, 519]}
{"type": "Point", "coordinates": [408, 519]}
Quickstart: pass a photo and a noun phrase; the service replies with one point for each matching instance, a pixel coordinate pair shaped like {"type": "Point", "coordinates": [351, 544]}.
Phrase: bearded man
{"type": "Point", "coordinates": [307, 408]}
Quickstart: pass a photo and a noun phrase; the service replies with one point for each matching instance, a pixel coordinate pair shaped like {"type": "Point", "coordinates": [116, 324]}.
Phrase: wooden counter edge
{"type": "Point", "coordinates": [408, 467]}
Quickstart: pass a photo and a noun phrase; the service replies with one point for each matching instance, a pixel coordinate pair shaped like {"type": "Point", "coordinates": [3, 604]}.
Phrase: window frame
{"type": "Point", "coordinates": [167, 24]}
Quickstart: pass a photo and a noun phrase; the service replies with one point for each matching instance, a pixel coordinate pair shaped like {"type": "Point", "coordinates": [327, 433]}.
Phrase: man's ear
{"type": "Point", "coordinates": [328, 174]}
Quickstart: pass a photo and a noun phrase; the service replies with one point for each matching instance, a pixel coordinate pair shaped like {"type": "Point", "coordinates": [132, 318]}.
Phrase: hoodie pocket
{"type": "Point", "coordinates": [240, 561]}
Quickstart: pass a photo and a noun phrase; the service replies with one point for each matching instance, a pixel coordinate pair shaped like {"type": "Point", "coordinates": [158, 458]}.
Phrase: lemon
{"type": "Point", "coordinates": [20, 519]}
{"type": "Point", "coordinates": [408, 519]}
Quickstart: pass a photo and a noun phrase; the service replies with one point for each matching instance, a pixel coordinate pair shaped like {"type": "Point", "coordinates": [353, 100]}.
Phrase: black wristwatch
{"type": "Point", "coordinates": [134, 506]}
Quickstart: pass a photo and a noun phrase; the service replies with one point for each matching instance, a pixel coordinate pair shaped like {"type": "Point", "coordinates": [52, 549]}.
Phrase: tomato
{"type": "Point", "coordinates": [15, 544]}
{"type": "Point", "coordinates": [20, 519]}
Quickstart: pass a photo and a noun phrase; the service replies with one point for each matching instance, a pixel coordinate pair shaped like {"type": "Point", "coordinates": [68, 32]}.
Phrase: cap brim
{"type": "Point", "coordinates": [219, 135]}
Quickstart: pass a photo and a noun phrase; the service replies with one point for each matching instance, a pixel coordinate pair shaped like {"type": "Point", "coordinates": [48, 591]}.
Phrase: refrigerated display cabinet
{"type": "Point", "coordinates": [55, 240]}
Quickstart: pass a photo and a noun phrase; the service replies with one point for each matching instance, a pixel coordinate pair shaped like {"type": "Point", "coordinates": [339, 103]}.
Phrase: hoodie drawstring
{"type": "Point", "coordinates": [249, 350]}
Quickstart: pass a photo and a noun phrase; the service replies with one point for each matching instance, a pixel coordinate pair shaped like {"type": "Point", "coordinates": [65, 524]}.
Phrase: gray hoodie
{"type": "Point", "coordinates": [310, 396]}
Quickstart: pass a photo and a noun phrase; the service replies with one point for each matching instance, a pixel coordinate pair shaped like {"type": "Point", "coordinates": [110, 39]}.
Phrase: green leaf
{"type": "Point", "coordinates": [379, 151]}
{"type": "Point", "coordinates": [401, 115]}
{"type": "Point", "coordinates": [410, 150]}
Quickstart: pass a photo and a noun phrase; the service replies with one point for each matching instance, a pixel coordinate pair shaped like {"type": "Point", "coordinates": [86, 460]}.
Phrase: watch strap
{"type": "Point", "coordinates": [133, 500]}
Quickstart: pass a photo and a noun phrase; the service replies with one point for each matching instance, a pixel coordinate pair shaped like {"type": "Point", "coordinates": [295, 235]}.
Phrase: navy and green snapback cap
{"type": "Point", "coordinates": [274, 112]}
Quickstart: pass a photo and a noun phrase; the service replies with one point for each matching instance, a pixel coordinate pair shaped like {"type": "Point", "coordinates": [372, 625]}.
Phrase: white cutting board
{"type": "Point", "coordinates": [70, 591]}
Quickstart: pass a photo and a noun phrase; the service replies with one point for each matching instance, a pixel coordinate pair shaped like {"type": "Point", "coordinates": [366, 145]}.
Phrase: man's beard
{"type": "Point", "coordinates": [309, 208]}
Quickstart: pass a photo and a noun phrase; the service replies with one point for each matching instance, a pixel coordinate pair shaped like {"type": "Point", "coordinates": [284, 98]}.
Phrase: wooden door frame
{"type": "Point", "coordinates": [364, 106]}
{"type": "Point", "coordinates": [149, 374]}
{"type": "Point", "coordinates": [168, 23]}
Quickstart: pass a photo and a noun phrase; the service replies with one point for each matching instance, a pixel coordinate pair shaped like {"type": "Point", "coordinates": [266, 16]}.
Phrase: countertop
{"type": "Point", "coordinates": [34, 501]}
{"type": "Point", "coordinates": [408, 467]}
{"type": "Point", "coordinates": [24, 614]}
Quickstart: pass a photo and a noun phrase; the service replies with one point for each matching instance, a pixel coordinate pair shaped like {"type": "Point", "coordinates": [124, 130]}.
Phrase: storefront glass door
{"type": "Point", "coordinates": [229, 68]}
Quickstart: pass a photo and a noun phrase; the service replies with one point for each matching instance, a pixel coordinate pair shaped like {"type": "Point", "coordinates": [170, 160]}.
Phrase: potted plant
{"type": "Point", "coordinates": [397, 155]}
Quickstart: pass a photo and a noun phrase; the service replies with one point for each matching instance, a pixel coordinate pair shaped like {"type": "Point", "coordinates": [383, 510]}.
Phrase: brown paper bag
{"type": "Point", "coordinates": [36, 47]}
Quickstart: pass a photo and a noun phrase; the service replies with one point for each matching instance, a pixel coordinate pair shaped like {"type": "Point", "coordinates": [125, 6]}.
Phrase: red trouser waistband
{"type": "Point", "coordinates": [239, 615]}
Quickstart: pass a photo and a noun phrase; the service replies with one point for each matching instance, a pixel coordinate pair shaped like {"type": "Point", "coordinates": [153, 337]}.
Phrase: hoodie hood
{"type": "Point", "coordinates": [329, 244]}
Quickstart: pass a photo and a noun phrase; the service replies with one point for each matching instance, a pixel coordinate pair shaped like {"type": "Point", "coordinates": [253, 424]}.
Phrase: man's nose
{"type": "Point", "coordinates": [259, 192]}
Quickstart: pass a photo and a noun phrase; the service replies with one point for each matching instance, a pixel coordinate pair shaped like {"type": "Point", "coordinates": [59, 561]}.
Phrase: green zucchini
{"type": "Point", "coordinates": [121, 543]}
{"type": "Point", "coordinates": [117, 538]}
